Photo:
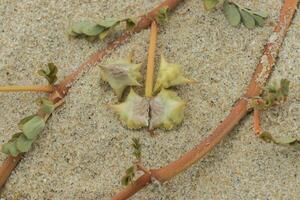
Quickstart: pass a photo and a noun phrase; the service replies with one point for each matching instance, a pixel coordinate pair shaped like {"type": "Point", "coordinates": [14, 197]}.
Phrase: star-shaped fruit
{"type": "Point", "coordinates": [121, 74]}
{"type": "Point", "coordinates": [134, 112]}
{"type": "Point", "coordinates": [166, 110]}
{"type": "Point", "coordinates": [169, 75]}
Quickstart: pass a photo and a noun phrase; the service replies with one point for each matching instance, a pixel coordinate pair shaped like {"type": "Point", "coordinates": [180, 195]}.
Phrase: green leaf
{"type": "Point", "coordinates": [137, 148]}
{"type": "Point", "coordinates": [284, 86]}
{"type": "Point", "coordinates": [266, 136]}
{"type": "Point", "coordinates": [10, 149]}
{"type": "Point", "coordinates": [103, 35]}
{"type": "Point", "coordinates": [92, 30]}
{"type": "Point", "coordinates": [210, 4]}
{"type": "Point", "coordinates": [23, 144]}
{"type": "Point", "coordinates": [260, 21]}
{"type": "Point", "coordinates": [232, 13]}
{"type": "Point", "coordinates": [24, 120]}
{"type": "Point", "coordinates": [247, 19]}
{"type": "Point", "coordinates": [284, 140]}
{"type": "Point", "coordinates": [162, 15]}
{"type": "Point", "coordinates": [49, 73]}
{"type": "Point", "coordinates": [79, 26]}
{"type": "Point", "coordinates": [130, 173]}
{"type": "Point", "coordinates": [108, 23]}
{"type": "Point", "coordinates": [259, 13]}
{"type": "Point", "coordinates": [33, 127]}
{"type": "Point", "coordinates": [46, 105]}
{"type": "Point", "coordinates": [130, 23]}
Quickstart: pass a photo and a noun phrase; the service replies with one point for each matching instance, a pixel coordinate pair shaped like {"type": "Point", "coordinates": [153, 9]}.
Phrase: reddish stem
{"type": "Point", "coordinates": [256, 122]}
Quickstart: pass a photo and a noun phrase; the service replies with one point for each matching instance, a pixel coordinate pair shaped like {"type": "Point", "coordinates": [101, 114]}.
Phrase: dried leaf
{"type": "Point", "coordinates": [247, 19]}
{"type": "Point", "coordinates": [169, 75]}
{"type": "Point", "coordinates": [232, 13]}
{"type": "Point", "coordinates": [121, 74]}
{"type": "Point", "coordinates": [166, 110]}
{"type": "Point", "coordinates": [210, 4]}
{"type": "Point", "coordinates": [49, 73]}
{"type": "Point", "coordinates": [134, 111]}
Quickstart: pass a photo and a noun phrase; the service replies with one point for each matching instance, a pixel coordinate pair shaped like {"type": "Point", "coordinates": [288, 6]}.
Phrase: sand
{"type": "Point", "coordinates": [84, 150]}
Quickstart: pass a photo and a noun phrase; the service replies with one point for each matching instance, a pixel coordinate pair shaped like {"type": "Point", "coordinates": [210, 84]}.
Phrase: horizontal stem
{"type": "Point", "coordinates": [31, 88]}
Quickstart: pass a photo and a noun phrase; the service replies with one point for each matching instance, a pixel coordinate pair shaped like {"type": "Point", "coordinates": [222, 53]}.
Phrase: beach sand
{"type": "Point", "coordinates": [84, 150]}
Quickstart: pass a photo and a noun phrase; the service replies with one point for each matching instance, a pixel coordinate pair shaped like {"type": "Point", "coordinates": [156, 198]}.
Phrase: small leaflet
{"type": "Point", "coordinates": [50, 73]}
{"type": "Point", "coordinates": [235, 14]}
{"type": "Point", "coordinates": [210, 4]}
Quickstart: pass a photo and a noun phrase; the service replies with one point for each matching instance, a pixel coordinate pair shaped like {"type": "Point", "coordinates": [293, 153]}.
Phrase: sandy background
{"type": "Point", "coordinates": [84, 150]}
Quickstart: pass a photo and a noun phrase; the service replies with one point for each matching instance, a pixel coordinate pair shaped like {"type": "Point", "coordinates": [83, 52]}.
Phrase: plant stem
{"type": "Point", "coordinates": [33, 88]}
{"type": "Point", "coordinates": [150, 64]}
{"type": "Point", "coordinates": [256, 122]}
{"type": "Point", "coordinates": [237, 113]}
{"type": "Point", "coordinates": [61, 90]}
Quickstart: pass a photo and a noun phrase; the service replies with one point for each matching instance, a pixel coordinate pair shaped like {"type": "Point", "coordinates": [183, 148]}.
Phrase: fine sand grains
{"type": "Point", "coordinates": [84, 151]}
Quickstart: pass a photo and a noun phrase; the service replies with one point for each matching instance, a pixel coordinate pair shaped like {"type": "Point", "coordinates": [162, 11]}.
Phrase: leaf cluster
{"type": "Point", "coordinates": [274, 95]}
{"type": "Point", "coordinates": [129, 175]}
{"type": "Point", "coordinates": [50, 73]}
{"type": "Point", "coordinates": [30, 127]}
{"type": "Point", "coordinates": [98, 30]}
{"type": "Point", "coordinates": [237, 14]}
{"type": "Point", "coordinates": [283, 140]}
{"type": "Point", "coordinates": [162, 15]}
{"type": "Point", "coordinates": [131, 171]}
{"type": "Point", "coordinates": [137, 148]}
{"type": "Point", "coordinates": [166, 108]}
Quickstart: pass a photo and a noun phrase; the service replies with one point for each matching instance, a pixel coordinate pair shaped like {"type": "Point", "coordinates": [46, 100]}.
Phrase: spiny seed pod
{"type": "Point", "coordinates": [166, 110]}
{"type": "Point", "coordinates": [169, 75]}
{"type": "Point", "coordinates": [121, 74]}
{"type": "Point", "coordinates": [134, 111]}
